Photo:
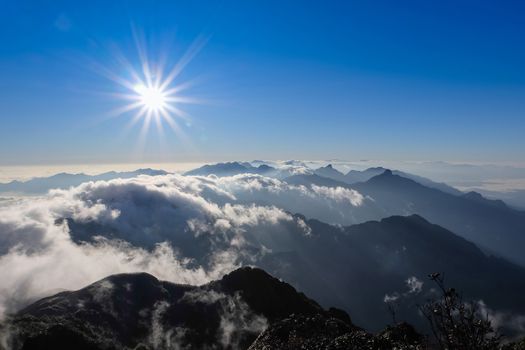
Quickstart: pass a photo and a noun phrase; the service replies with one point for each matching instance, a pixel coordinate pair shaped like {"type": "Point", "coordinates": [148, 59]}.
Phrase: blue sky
{"type": "Point", "coordinates": [389, 80]}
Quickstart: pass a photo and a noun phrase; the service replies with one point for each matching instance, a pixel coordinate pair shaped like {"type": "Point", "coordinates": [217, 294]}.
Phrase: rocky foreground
{"type": "Point", "coordinates": [246, 309]}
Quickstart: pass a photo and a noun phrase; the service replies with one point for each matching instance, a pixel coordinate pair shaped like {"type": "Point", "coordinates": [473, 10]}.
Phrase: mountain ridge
{"type": "Point", "coordinates": [122, 311]}
{"type": "Point", "coordinates": [63, 180]}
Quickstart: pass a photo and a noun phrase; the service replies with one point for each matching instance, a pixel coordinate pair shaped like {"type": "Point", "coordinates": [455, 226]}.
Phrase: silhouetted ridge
{"type": "Point", "coordinates": [219, 169]}
{"type": "Point", "coordinates": [332, 263]}
{"type": "Point", "coordinates": [266, 294]}
{"type": "Point", "coordinates": [126, 310]}
{"type": "Point", "coordinates": [264, 168]}
{"type": "Point", "coordinates": [477, 197]}
{"type": "Point", "coordinates": [232, 168]}
{"type": "Point", "coordinates": [387, 177]}
{"type": "Point", "coordinates": [330, 172]}
{"type": "Point", "coordinates": [490, 224]}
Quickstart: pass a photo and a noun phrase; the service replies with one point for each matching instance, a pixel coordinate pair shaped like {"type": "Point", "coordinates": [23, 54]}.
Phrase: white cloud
{"type": "Point", "coordinates": [66, 265]}
{"type": "Point", "coordinates": [337, 205]}
{"type": "Point", "coordinates": [235, 315]}
{"type": "Point", "coordinates": [149, 224]}
{"type": "Point", "coordinates": [340, 194]}
{"type": "Point", "coordinates": [179, 228]}
{"type": "Point", "coordinates": [503, 320]}
{"type": "Point", "coordinates": [390, 298]}
{"type": "Point", "coordinates": [415, 285]}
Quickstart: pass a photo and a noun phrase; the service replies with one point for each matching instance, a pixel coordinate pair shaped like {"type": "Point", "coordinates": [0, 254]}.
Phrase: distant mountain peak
{"type": "Point", "coordinates": [264, 166]}
{"type": "Point", "coordinates": [388, 176]}
{"type": "Point", "coordinates": [329, 167]}
{"type": "Point", "coordinates": [478, 197]}
{"type": "Point", "coordinates": [330, 172]}
{"type": "Point", "coordinates": [354, 176]}
{"type": "Point", "coordinates": [376, 168]}
{"type": "Point", "coordinates": [415, 218]}
{"type": "Point", "coordinates": [473, 195]}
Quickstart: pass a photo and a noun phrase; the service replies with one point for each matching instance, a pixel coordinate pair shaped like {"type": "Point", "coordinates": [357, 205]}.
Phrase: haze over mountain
{"type": "Point", "coordinates": [392, 257]}
{"type": "Point", "coordinates": [193, 229]}
{"type": "Point", "coordinates": [489, 223]}
{"type": "Point", "coordinates": [64, 180]}
{"type": "Point", "coordinates": [295, 167]}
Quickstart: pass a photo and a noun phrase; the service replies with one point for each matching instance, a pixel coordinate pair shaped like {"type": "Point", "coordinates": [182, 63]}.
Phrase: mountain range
{"type": "Point", "coordinates": [491, 224]}
{"type": "Point", "coordinates": [41, 185]}
{"type": "Point", "coordinates": [355, 267]}
{"type": "Point", "coordinates": [328, 171]}
{"type": "Point", "coordinates": [245, 309]}
{"type": "Point", "coordinates": [401, 231]}
{"type": "Point", "coordinates": [137, 311]}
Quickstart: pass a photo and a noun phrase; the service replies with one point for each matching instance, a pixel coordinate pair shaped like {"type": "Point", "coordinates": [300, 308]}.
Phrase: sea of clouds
{"type": "Point", "coordinates": [179, 228]}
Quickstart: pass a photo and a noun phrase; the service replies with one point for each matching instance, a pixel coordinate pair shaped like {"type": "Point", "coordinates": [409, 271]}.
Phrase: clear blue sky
{"type": "Point", "coordinates": [393, 80]}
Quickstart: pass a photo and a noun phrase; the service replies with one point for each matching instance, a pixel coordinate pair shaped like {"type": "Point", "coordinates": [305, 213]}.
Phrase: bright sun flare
{"type": "Point", "coordinates": [151, 97]}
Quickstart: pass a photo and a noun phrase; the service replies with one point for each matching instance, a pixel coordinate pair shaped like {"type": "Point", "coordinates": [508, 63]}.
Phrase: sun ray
{"type": "Point", "coordinates": [184, 100]}
{"type": "Point", "coordinates": [145, 127]}
{"type": "Point", "coordinates": [194, 49]}
{"type": "Point", "coordinates": [108, 74]}
{"type": "Point", "coordinates": [150, 89]}
{"type": "Point", "coordinates": [140, 114]}
{"type": "Point", "coordinates": [124, 109]}
{"type": "Point", "coordinates": [178, 112]}
{"type": "Point", "coordinates": [176, 128]}
{"type": "Point", "coordinates": [180, 87]}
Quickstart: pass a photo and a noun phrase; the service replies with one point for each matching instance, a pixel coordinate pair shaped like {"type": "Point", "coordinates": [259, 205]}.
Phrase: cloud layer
{"type": "Point", "coordinates": [178, 228]}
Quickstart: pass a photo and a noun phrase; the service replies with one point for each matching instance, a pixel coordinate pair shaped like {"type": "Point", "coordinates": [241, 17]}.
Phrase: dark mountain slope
{"type": "Point", "coordinates": [354, 268]}
{"type": "Point", "coordinates": [429, 183]}
{"type": "Point", "coordinates": [266, 295]}
{"type": "Point", "coordinates": [330, 172]}
{"type": "Point", "coordinates": [220, 169]}
{"type": "Point", "coordinates": [477, 197]}
{"type": "Point", "coordinates": [314, 179]}
{"type": "Point", "coordinates": [320, 332]}
{"type": "Point", "coordinates": [356, 176]}
{"type": "Point", "coordinates": [491, 225]}
{"type": "Point", "coordinates": [131, 309]}
{"type": "Point", "coordinates": [137, 311]}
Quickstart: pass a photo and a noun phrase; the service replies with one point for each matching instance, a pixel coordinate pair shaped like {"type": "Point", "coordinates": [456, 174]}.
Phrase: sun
{"type": "Point", "coordinates": [152, 92]}
{"type": "Point", "coordinates": [153, 98]}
